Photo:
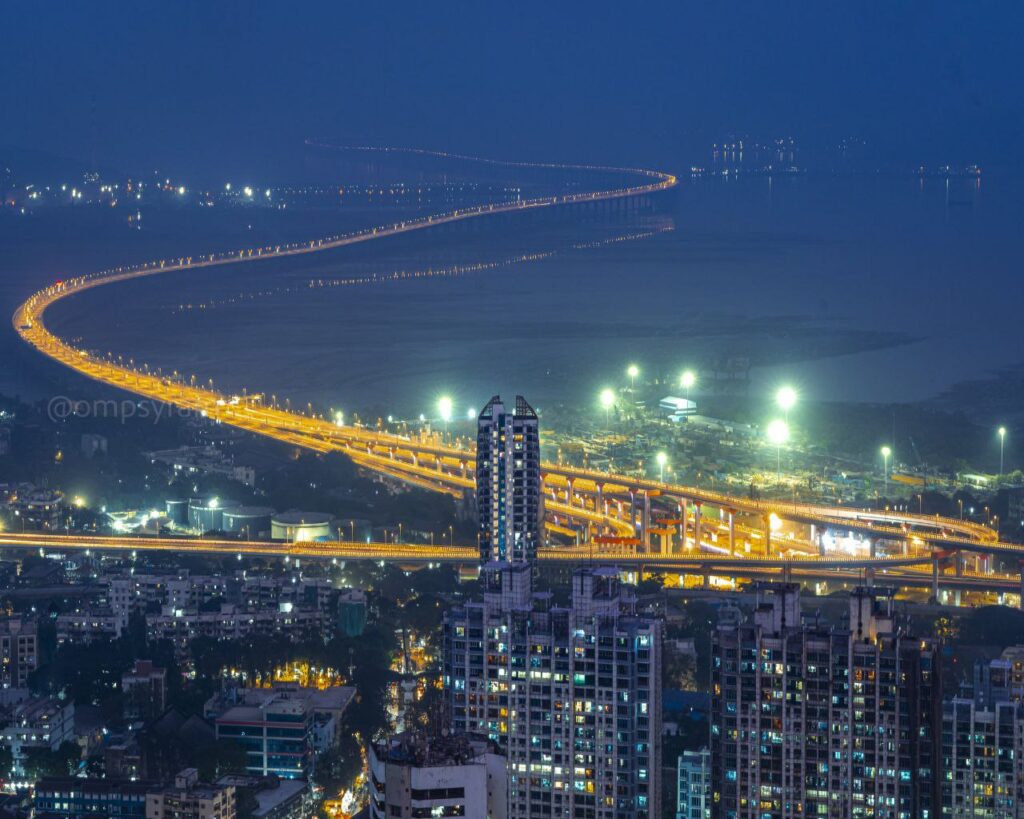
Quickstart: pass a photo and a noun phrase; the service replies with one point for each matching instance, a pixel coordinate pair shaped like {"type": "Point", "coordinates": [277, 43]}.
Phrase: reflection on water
{"type": "Point", "coordinates": [855, 288]}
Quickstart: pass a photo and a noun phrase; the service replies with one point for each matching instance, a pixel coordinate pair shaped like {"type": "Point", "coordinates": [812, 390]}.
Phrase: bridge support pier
{"type": "Point", "coordinates": [569, 491]}
{"type": "Point", "coordinates": [696, 525]}
{"type": "Point", "coordinates": [599, 499]}
{"type": "Point", "coordinates": [959, 558]}
{"type": "Point", "coordinates": [682, 524]}
{"type": "Point", "coordinates": [873, 547]}
{"type": "Point", "coordinates": [935, 579]}
{"type": "Point", "coordinates": [1020, 568]}
{"type": "Point", "coordinates": [732, 531]}
{"type": "Point", "coordinates": [767, 536]}
{"type": "Point", "coordinates": [869, 577]}
{"type": "Point", "coordinates": [645, 520]}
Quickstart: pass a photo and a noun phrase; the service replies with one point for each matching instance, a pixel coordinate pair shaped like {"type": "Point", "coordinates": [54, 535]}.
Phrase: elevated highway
{"type": "Point", "coordinates": [596, 504]}
{"type": "Point", "coordinates": [910, 572]}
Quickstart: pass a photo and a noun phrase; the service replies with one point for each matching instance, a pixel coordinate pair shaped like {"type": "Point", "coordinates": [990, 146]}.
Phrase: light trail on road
{"type": "Point", "coordinates": [614, 500]}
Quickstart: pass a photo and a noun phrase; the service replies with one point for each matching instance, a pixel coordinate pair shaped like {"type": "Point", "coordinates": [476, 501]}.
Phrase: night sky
{"type": "Point", "coordinates": [200, 87]}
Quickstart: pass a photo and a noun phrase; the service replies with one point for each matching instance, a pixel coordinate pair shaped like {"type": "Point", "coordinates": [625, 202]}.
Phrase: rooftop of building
{"type": "Point", "coordinates": [73, 784]}
{"type": "Point", "coordinates": [431, 751]}
{"type": "Point", "coordinates": [250, 704]}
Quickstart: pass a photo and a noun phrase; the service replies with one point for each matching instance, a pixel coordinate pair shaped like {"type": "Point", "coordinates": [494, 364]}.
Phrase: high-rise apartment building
{"type": "Point", "coordinates": [508, 482]}
{"type": "Point", "coordinates": [693, 785]}
{"type": "Point", "coordinates": [572, 695]}
{"type": "Point", "coordinates": [813, 720]}
{"type": "Point", "coordinates": [982, 759]}
{"type": "Point", "coordinates": [19, 651]}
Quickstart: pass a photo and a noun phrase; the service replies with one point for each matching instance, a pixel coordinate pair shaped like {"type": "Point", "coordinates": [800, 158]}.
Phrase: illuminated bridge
{"type": "Point", "coordinates": [617, 518]}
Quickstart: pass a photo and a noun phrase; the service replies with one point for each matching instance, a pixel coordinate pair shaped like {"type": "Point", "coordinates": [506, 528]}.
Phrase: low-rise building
{"type": "Point", "coordinates": [281, 728]}
{"type": "Point", "coordinates": [188, 798]}
{"type": "Point", "coordinates": [232, 622]}
{"type": "Point", "coordinates": [145, 690]}
{"type": "Point", "coordinates": [38, 722]}
{"type": "Point", "coordinates": [86, 625]}
{"type": "Point", "coordinates": [275, 798]}
{"type": "Point", "coordinates": [38, 509]}
{"type": "Point", "coordinates": [75, 798]}
{"type": "Point", "coordinates": [352, 612]}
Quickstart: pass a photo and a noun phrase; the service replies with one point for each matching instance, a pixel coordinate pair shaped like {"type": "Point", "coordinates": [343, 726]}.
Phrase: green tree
{"type": "Point", "coordinates": [42, 762]}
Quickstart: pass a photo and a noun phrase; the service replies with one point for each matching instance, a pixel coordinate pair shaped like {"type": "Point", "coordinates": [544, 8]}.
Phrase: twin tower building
{"type": "Point", "coordinates": [570, 694]}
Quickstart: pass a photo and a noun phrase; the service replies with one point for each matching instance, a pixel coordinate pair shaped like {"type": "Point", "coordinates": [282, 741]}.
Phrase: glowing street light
{"type": "Point", "coordinates": [886, 452]}
{"type": "Point", "coordinates": [662, 459]}
{"type": "Point", "coordinates": [471, 413]}
{"type": "Point", "coordinates": [1002, 443]}
{"type": "Point", "coordinates": [632, 371]}
{"type": "Point", "coordinates": [778, 434]}
{"type": "Point", "coordinates": [786, 399]}
{"type": "Point", "coordinates": [687, 380]}
{"type": "Point", "coordinates": [607, 401]}
{"type": "Point", "coordinates": [444, 407]}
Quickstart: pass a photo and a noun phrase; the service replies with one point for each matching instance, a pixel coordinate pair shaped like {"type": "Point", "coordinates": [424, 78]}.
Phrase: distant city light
{"type": "Point", "coordinates": [688, 379]}
{"type": "Point", "coordinates": [181, 190]}
{"type": "Point", "coordinates": [471, 413]}
{"type": "Point", "coordinates": [247, 191]}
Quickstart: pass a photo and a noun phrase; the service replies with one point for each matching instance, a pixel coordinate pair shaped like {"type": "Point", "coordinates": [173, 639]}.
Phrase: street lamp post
{"type": "Point", "coordinates": [662, 459]}
{"type": "Point", "coordinates": [886, 452]}
{"type": "Point", "coordinates": [444, 407]}
{"type": "Point", "coordinates": [607, 401]}
{"type": "Point", "coordinates": [687, 380]}
{"type": "Point", "coordinates": [1002, 443]}
{"type": "Point", "coordinates": [778, 434]}
{"type": "Point", "coordinates": [632, 371]}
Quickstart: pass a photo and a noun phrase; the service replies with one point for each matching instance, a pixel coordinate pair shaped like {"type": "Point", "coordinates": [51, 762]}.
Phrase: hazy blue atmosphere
{"type": "Point", "coordinates": [236, 86]}
{"type": "Point", "coordinates": [853, 277]}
